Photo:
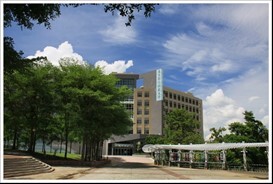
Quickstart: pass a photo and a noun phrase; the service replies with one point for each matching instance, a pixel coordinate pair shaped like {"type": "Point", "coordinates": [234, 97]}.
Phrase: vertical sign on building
{"type": "Point", "coordinates": [159, 85]}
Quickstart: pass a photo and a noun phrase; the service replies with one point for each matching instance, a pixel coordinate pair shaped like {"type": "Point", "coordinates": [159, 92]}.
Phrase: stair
{"type": "Point", "coordinates": [15, 165]}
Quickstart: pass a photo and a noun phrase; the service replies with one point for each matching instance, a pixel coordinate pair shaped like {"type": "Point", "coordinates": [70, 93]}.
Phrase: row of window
{"type": "Point", "coordinates": [146, 130]}
{"type": "Point", "coordinates": [126, 82]}
{"type": "Point", "coordinates": [146, 111]}
{"type": "Point", "coordinates": [180, 98]}
{"type": "Point", "coordinates": [146, 103]}
{"type": "Point", "coordinates": [146, 94]}
{"type": "Point", "coordinates": [180, 106]}
{"type": "Point", "coordinates": [146, 121]}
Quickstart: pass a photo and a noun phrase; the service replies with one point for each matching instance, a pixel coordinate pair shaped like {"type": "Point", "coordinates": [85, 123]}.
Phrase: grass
{"type": "Point", "coordinates": [70, 156]}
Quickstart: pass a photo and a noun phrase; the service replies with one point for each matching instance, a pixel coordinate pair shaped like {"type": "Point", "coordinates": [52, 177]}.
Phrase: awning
{"type": "Point", "coordinates": [202, 147]}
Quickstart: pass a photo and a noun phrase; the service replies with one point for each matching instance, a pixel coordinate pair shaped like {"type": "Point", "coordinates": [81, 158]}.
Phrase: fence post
{"type": "Point", "coordinates": [244, 157]}
{"type": "Point", "coordinates": [206, 159]}
{"type": "Point", "coordinates": [191, 152]}
{"type": "Point", "coordinates": [170, 157]}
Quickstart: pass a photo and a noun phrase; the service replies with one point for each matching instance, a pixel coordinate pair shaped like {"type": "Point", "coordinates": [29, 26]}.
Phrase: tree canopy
{"type": "Point", "coordinates": [70, 102]}
{"type": "Point", "coordinates": [251, 130]}
{"type": "Point", "coordinates": [26, 15]}
{"type": "Point", "coordinates": [180, 128]}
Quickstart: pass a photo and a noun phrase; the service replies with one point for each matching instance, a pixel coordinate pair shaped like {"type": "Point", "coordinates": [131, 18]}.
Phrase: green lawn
{"type": "Point", "coordinates": [61, 155]}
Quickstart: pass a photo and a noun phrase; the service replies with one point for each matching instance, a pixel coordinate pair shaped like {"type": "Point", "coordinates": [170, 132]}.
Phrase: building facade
{"type": "Point", "coordinates": [148, 105]}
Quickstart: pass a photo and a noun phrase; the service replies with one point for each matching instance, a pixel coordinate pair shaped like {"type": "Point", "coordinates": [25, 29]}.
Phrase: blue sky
{"type": "Point", "coordinates": [219, 52]}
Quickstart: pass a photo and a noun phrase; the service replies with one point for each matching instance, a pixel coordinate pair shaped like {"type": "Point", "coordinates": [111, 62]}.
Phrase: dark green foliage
{"type": "Point", "coordinates": [180, 128]}
{"type": "Point", "coordinates": [73, 102]}
{"type": "Point", "coordinates": [154, 139]}
{"type": "Point", "coordinates": [128, 10]}
{"type": "Point", "coordinates": [25, 14]}
{"type": "Point", "coordinates": [250, 131]}
{"type": "Point", "coordinates": [13, 59]}
{"type": "Point", "coordinates": [217, 135]}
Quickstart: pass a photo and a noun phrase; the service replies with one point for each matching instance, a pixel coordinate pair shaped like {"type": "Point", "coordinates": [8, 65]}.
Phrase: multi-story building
{"type": "Point", "coordinates": [149, 104]}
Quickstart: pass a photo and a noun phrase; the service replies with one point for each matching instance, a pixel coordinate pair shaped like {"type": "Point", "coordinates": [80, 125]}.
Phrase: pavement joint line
{"type": "Point", "coordinates": [172, 173]}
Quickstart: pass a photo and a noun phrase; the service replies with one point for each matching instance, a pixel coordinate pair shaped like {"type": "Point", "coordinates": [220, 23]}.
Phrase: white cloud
{"type": "Point", "coordinates": [252, 98]}
{"type": "Point", "coordinates": [119, 66]}
{"type": "Point", "coordinates": [169, 9]}
{"type": "Point", "coordinates": [247, 92]}
{"type": "Point", "coordinates": [228, 50]}
{"type": "Point", "coordinates": [64, 50]}
{"type": "Point", "coordinates": [218, 99]}
{"type": "Point", "coordinates": [220, 111]}
{"type": "Point", "coordinates": [118, 33]}
{"type": "Point", "coordinates": [228, 39]}
{"type": "Point", "coordinates": [251, 90]}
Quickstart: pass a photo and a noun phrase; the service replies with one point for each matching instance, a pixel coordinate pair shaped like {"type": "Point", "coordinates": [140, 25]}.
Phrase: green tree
{"type": "Point", "coordinates": [14, 60]}
{"type": "Point", "coordinates": [29, 102]}
{"type": "Point", "coordinates": [97, 99]}
{"type": "Point", "coordinates": [217, 135]}
{"type": "Point", "coordinates": [181, 127]}
{"type": "Point", "coordinates": [13, 108]}
{"type": "Point", "coordinates": [25, 15]}
{"type": "Point", "coordinates": [251, 130]}
{"type": "Point", "coordinates": [154, 139]}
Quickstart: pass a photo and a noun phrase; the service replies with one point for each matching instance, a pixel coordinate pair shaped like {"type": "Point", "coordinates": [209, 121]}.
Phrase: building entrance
{"type": "Point", "coordinates": [122, 149]}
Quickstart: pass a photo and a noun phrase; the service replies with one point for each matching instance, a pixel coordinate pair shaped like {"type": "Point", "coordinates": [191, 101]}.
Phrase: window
{"type": "Point", "coordinates": [146, 94]}
{"type": "Point", "coordinates": [165, 94]}
{"type": "Point", "coordinates": [146, 112]}
{"type": "Point", "coordinates": [139, 103]}
{"type": "Point", "coordinates": [139, 121]}
{"type": "Point", "coordinates": [178, 97]}
{"type": "Point", "coordinates": [146, 131]}
{"type": "Point", "coordinates": [174, 96]}
{"type": "Point", "coordinates": [139, 94]}
{"type": "Point", "coordinates": [170, 95]}
{"type": "Point", "coordinates": [139, 111]}
{"type": "Point", "coordinates": [139, 130]}
{"type": "Point", "coordinates": [146, 121]}
{"type": "Point", "coordinates": [146, 103]}
{"type": "Point", "coordinates": [171, 104]}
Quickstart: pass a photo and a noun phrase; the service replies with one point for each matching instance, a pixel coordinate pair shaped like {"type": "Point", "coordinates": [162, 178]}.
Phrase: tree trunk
{"type": "Point", "coordinates": [61, 145]}
{"type": "Point", "coordinates": [70, 150]}
{"type": "Point", "coordinates": [83, 147]}
{"type": "Point", "coordinates": [30, 147]}
{"type": "Point", "coordinates": [66, 142]}
{"type": "Point", "coordinates": [43, 148]}
{"type": "Point", "coordinates": [14, 138]}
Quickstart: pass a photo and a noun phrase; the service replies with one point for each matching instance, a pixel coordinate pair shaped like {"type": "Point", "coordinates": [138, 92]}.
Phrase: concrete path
{"type": "Point", "coordinates": [142, 169]}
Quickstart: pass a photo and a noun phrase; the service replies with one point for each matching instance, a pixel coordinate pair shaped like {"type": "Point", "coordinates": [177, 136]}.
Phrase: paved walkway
{"type": "Point", "coordinates": [141, 168]}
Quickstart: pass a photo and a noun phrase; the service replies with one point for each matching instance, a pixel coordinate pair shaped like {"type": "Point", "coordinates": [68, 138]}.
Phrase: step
{"type": "Point", "coordinates": [20, 166]}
